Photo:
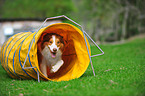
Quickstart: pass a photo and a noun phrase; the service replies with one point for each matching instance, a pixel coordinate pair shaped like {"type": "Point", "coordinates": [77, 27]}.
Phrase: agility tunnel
{"type": "Point", "coordinates": [20, 56]}
{"type": "Point", "coordinates": [20, 59]}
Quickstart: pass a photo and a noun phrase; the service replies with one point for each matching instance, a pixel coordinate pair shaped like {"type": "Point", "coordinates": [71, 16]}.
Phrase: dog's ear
{"type": "Point", "coordinates": [63, 43]}
{"type": "Point", "coordinates": [43, 38]}
{"type": "Point", "coordinates": [46, 37]}
{"type": "Point", "coordinates": [61, 39]}
{"type": "Point", "coordinates": [62, 47]}
{"type": "Point", "coordinates": [39, 46]}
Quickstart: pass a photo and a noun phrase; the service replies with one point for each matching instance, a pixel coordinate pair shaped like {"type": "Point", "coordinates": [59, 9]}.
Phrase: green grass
{"type": "Point", "coordinates": [119, 72]}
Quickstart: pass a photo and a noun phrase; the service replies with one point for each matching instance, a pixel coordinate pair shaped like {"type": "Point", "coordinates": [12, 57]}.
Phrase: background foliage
{"type": "Point", "coordinates": [104, 20]}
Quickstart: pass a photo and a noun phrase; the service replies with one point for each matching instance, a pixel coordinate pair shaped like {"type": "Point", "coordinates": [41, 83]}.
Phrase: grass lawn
{"type": "Point", "coordinates": [119, 72]}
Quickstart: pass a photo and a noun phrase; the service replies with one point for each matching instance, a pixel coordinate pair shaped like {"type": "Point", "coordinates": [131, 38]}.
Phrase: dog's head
{"type": "Point", "coordinates": [54, 42]}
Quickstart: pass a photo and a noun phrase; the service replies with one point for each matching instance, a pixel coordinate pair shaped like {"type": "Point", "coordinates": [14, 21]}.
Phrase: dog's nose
{"type": "Point", "coordinates": [54, 49]}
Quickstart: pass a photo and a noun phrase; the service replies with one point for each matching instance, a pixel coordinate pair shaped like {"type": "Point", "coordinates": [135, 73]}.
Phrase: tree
{"type": "Point", "coordinates": [35, 8]}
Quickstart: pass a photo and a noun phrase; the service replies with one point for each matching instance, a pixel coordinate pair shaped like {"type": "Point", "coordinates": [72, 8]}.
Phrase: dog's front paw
{"type": "Point", "coordinates": [56, 67]}
{"type": "Point", "coordinates": [53, 70]}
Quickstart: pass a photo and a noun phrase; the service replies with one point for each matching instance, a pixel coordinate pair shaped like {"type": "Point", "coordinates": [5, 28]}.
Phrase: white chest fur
{"type": "Point", "coordinates": [53, 63]}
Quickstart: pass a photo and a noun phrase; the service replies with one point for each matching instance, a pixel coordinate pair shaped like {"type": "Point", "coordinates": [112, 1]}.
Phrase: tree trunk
{"type": "Point", "coordinates": [124, 24]}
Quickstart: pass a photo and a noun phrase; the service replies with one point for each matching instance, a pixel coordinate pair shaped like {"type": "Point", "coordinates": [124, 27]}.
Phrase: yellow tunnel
{"type": "Point", "coordinates": [15, 50]}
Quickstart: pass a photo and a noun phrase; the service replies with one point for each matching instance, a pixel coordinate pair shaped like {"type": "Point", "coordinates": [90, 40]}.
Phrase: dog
{"type": "Point", "coordinates": [50, 52]}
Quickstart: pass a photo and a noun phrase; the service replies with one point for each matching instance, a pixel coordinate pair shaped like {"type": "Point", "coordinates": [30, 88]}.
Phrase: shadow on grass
{"type": "Point", "coordinates": [4, 75]}
{"type": "Point", "coordinates": [87, 74]}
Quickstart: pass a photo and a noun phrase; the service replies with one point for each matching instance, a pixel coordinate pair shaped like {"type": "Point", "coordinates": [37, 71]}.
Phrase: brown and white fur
{"type": "Point", "coordinates": [51, 50]}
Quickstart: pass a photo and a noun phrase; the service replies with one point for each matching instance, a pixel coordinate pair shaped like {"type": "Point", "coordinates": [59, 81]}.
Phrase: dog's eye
{"type": "Point", "coordinates": [58, 42]}
{"type": "Point", "coordinates": [50, 42]}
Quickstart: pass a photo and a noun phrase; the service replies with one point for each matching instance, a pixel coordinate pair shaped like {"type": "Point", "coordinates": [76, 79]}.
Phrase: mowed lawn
{"type": "Point", "coordinates": [119, 72]}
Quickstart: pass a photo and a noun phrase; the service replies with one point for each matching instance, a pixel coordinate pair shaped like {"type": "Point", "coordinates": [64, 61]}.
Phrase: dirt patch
{"type": "Point", "coordinates": [124, 41]}
{"type": "Point", "coordinates": [136, 37]}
